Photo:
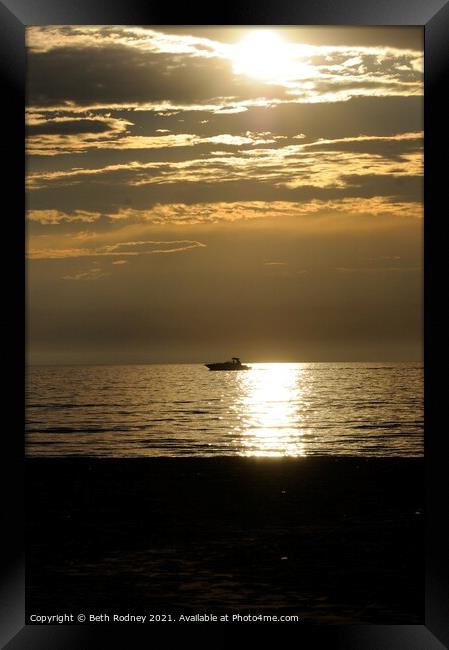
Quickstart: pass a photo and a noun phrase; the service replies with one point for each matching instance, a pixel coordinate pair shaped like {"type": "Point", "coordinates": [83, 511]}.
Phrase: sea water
{"type": "Point", "coordinates": [273, 409]}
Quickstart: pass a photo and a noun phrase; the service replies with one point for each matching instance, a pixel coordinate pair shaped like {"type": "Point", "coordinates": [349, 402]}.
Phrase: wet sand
{"type": "Point", "coordinates": [334, 540]}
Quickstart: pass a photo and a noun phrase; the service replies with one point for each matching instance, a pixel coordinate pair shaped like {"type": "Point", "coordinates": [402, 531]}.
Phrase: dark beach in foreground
{"type": "Point", "coordinates": [334, 540]}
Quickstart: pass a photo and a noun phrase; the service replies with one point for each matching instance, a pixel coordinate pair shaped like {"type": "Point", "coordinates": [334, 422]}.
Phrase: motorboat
{"type": "Point", "coordinates": [235, 364]}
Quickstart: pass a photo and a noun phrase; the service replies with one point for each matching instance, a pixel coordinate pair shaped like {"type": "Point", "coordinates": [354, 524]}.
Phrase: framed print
{"type": "Point", "coordinates": [217, 266]}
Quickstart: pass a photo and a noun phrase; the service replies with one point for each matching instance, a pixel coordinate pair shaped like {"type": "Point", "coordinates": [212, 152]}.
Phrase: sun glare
{"type": "Point", "coordinates": [270, 394]}
{"type": "Point", "coordinates": [263, 55]}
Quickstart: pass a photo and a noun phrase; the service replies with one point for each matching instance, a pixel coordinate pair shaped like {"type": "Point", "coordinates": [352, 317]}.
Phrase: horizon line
{"type": "Point", "coordinates": [191, 363]}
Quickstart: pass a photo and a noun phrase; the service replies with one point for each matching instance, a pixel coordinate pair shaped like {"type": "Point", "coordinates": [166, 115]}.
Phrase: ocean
{"type": "Point", "coordinates": [273, 409]}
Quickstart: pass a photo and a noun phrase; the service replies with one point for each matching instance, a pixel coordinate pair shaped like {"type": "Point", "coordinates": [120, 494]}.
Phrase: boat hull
{"type": "Point", "coordinates": [226, 366]}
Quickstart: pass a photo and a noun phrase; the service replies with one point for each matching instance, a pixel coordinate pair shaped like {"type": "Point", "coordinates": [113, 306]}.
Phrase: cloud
{"type": "Point", "coordinates": [57, 144]}
{"type": "Point", "coordinates": [45, 39]}
{"type": "Point", "coordinates": [53, 217]}
{"type": "Point", "coordinates": [169, 214]}
{"type": "Point", "coordinates": [132, 248]}
{"type": "Point", "coordinates": [197, 40]}
{"type": "Point", "coordinates": [94, 273]}
{"type": "Point", "coordinates": [133, 232]}
{"type": "Point", "coordinates": [210, 213]}
{"type": "Point", "coordinates": [39, 124]}
{"type": "Point", "coordinates": [146, 69]}
{"type": "Point", "coordinates": [398, 137]}
{"type": "Point", "coordinates": [324, 163]}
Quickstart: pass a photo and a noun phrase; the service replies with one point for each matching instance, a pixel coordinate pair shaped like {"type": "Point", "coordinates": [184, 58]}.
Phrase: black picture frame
{"type": "Point", "coordinates": [15, 15]}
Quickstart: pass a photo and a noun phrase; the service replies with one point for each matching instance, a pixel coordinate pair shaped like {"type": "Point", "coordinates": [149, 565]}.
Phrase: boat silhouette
{"type": "Point", "coordinates": [235, 364]}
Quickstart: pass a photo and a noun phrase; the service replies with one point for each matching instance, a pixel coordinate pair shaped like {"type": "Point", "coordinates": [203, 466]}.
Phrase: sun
{"type": "Point", "coordinates": [263, 55]}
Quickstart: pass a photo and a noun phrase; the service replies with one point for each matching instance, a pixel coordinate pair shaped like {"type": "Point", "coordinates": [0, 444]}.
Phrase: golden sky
{"type": "Point", "coordinates": [200, 191]}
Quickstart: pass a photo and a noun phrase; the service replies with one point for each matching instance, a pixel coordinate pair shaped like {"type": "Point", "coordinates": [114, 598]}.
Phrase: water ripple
{"type": "Point", "coordinates": [185, 410]}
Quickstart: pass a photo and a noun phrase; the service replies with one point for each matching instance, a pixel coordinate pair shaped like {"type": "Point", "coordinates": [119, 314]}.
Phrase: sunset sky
{"type": "Point", "coordinates": [197, 193]}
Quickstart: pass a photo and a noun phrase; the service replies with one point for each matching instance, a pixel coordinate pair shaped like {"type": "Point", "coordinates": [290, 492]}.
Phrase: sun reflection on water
{"type": "Point", "coordinates": [269, 423]}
